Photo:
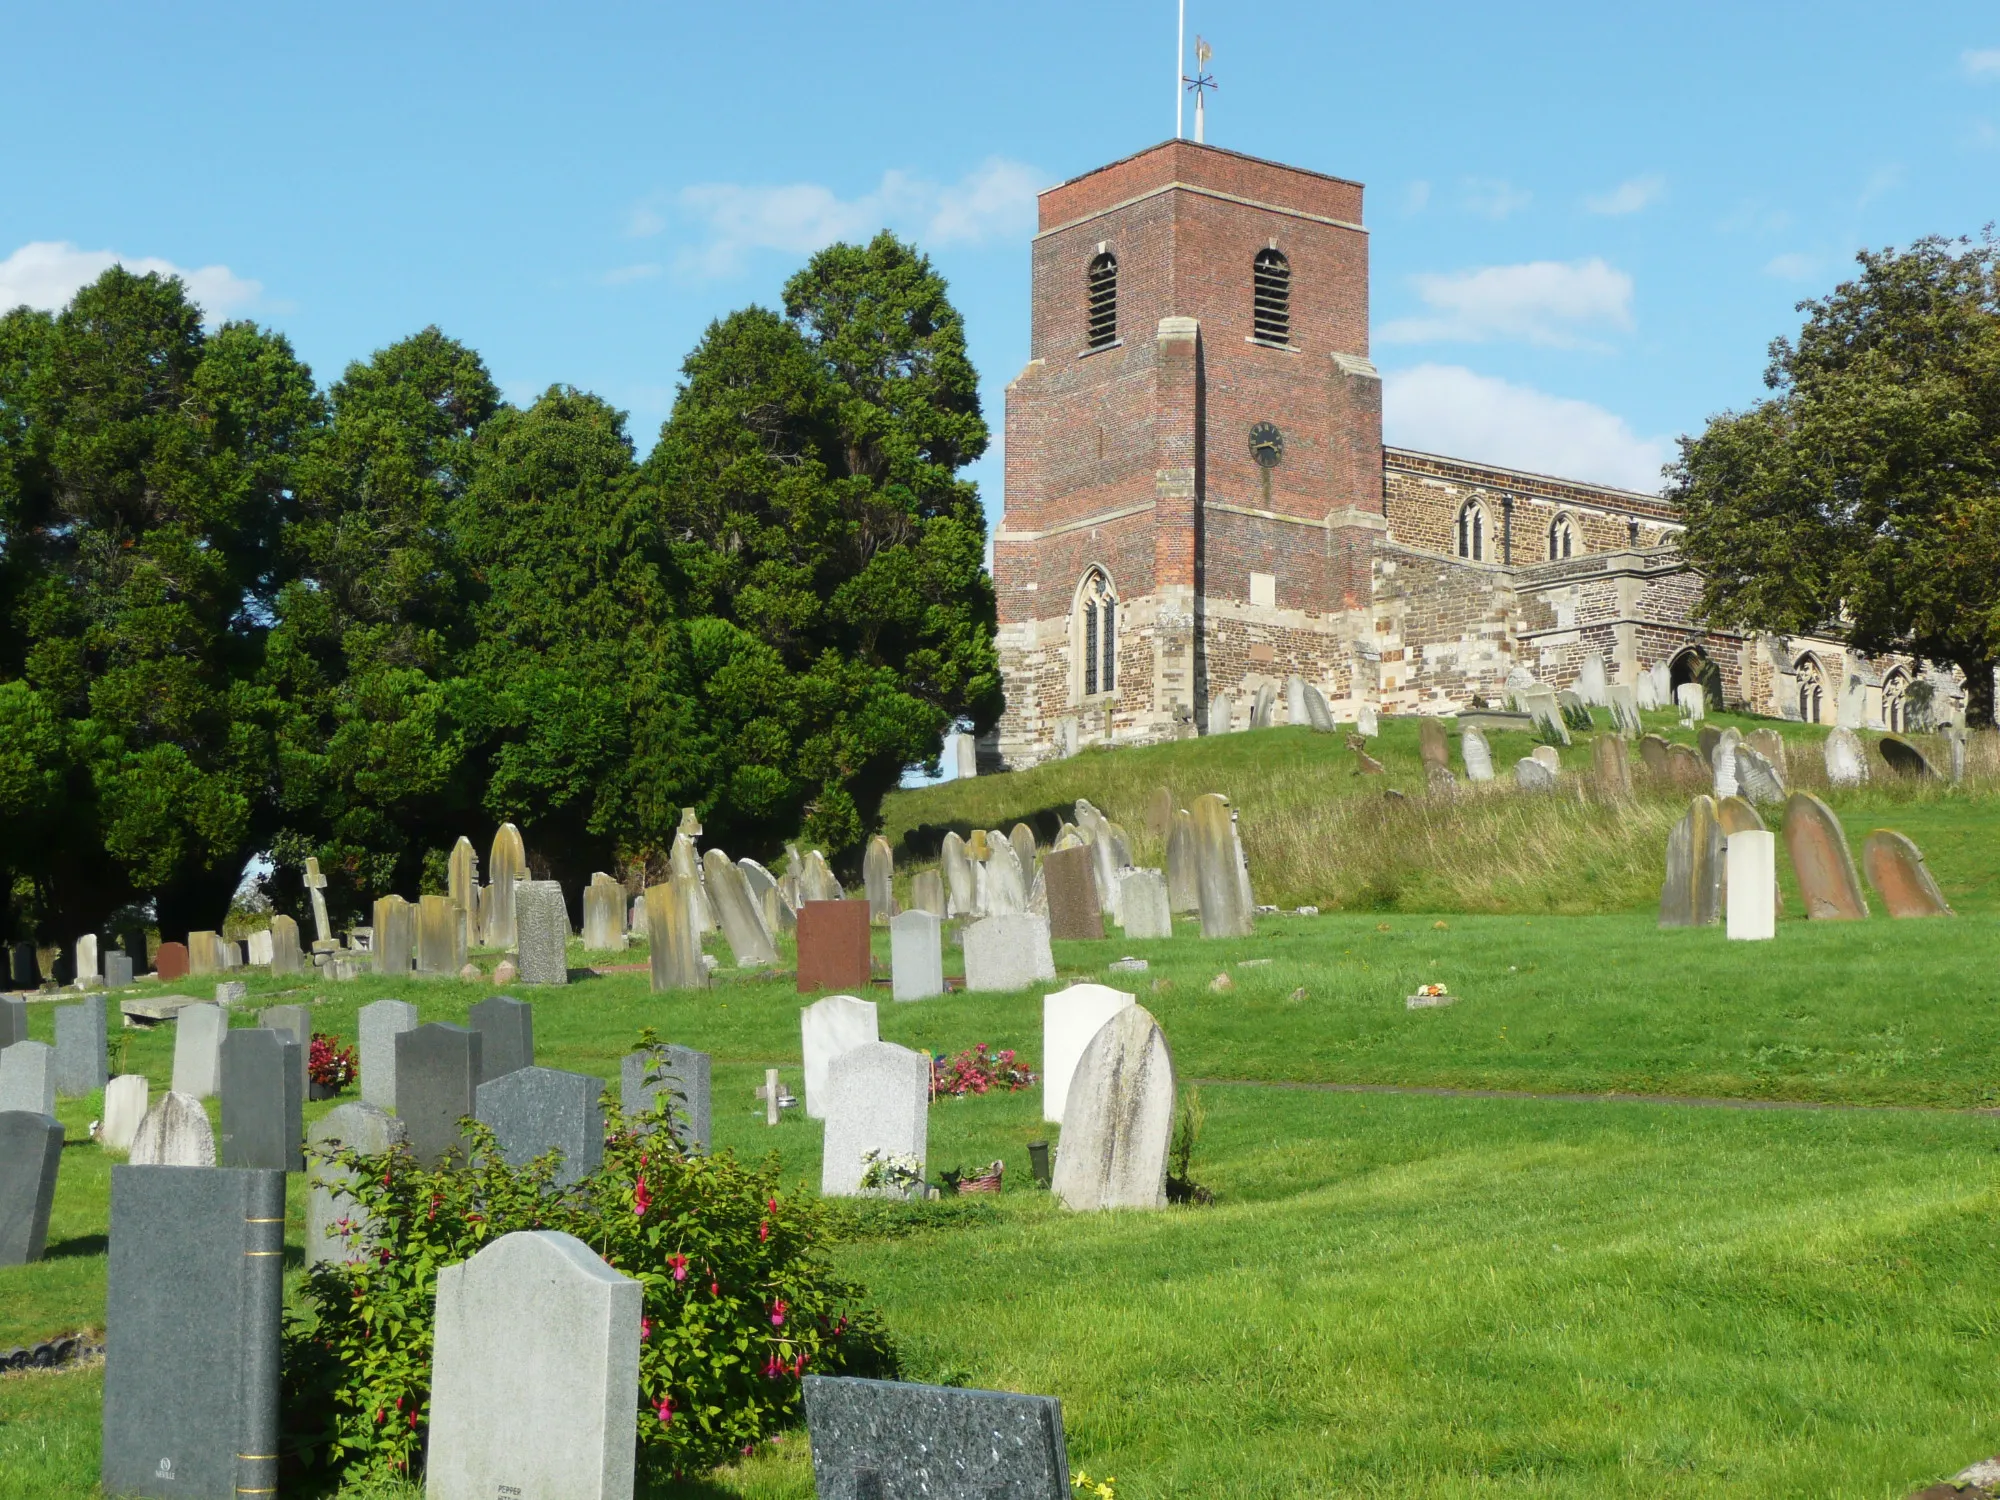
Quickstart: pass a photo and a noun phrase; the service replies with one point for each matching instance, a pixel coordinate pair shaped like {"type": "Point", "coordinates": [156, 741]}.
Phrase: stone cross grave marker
{"type": "Point", "coordinates": [916, 955]}
{"type": "Point", "coordinates": [676, 1078]}
{"type": "Point", "coordinates": [28, 1078]}
{"type": "Point", "coordinates": [175, 1133]}
{"type": "Point", "coordinates": [878, 1098]}
{"type": "Point", "coordinates": [378, 1026]}
{"type": "Point", "coordinates": [541, 932]}
{"type": "Point", "coordinates": [125, 1100]}
{"type": "Point", "coordinates": [1005, 953]}
{"type": "Point", "coordinates": [1070, 1018]}
{"type": "Point", "coordinates": [534, 1110]}
{"type": "Point", "coordinates": [888, 1439]}
{"type": "Point", "coordinates": [263, 1123]}
{"type": "Point", "coordinates": [336, 1225]}
{"type": "Point", "coordinates": [30, 1154]}
{"type": "Point", "coordinates": [437, 1071]}
{"type": "Point", "coordinates": [1821, 861]}
{"type": "Point", "coordinates": [1896, 869]}
{"type": "Point", "coordinates": [1118, 1117]}
{"type": "Point", "coordinates": [315, 884]}
{"type": "Point", "coordinates": [833, 946]}
{"type": "Point", "coordinates": [827, 1028]}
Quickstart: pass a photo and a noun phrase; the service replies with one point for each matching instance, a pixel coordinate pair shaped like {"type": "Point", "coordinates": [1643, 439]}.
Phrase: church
{"type": "Point", "coordinates": [1199, 501]}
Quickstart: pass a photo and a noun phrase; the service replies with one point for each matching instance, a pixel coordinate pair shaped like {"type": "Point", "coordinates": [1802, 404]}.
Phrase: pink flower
{"type": "Point", "coordinates": [666, 1411]}
{"type": "Point", "coordinates": [764, 1229]}
{"type": "Point", "coordinates": [678, 1264]}
{"type": "Point", "coordinates": [778, 1313]}
{"type": "Point", "coordinates": [645, 1328]}
{"type": "Point", "coordinates": [641, 1199]}
{"type": "Point", "coordinates": [773, 1368]}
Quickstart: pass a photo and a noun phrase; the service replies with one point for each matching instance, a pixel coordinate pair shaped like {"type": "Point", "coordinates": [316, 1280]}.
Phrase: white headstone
{"type": "Point", "coordinates": [1070, 1018]}
{"type": "Point", "coordinates": [260, 947]}
{"type": "Point", "coordinates": [175, 1133]}
{"type": "Point", "coordinates": [198, 1033]}
{"type": "Point", "coordinates": [878, 1099]}
{"type": "Point", "coordinates": [1663, 684]}
{"type": "Point", "coordinates": [1118, 1119]}
{"type": "Point", "coordinates": [1591, 684]}
{"type": "Point", "coordinates": [534, 1374]}
{"type": "Point", "coordinates": [1295, 700]}
{"type": "Point", "coordinates": [916, 955]}
{"type": "Point", "coordinates": [125, 1101]}
{"type": "Point", "coordinates": [1846, 761]}
{"type": "Point", "coordinates": [827, 1028]}
{"type": "Point", "coordinates": [28, 1078]}
{"type": "Point", "coordinates": [1365, 721]}
{"type": "Point", "coordinates": [1624, 703]}
{"type": "Point", "coordinates": [1852, 712]}
{"type": "Point", "coordinates": [86, 959]}
{"type": "Point", "coordinates": [1005, 953]}
{"type": "Point", "coordinates": [1478, 755]}
{"type": "Point", "coordinates": [1547, 755]}
{"type": "Point", "coordinates": [379, 1025]}
{"type": "Point", "coordinates": [1724, 763]}
{"type": "Point", "coordinates": [1006, 889]}
{"type": "Point", "coordinates": [1530, 775]}
{"type": "Point", "coordinates": [1692, 701]}
{"type": "Point", "coordinates": [1647, 691]}
{"type": "Point", "coordinates": [1752, 856]}
{"type": "Point", "coordinates": [1142, 899]}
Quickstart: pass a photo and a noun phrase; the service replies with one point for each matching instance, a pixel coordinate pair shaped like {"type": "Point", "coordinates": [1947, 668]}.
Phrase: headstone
{"type": "Point", "coordinates": [1591, 682]}
{"type": "Point", "coordinates": [28, 1078]}
{"type": "Point", "coordinates": [816, 882]}
{"type": "Point", "coordinates": [1070, 1018]}
{"type": "Point", "coordinates": [1262, 706]}
{"type": "Point", "coordinates": [833, 946]}
{"type": "Point", "coordinates": [1771, 745]}
{"type": "Point", "coordinates": [1752, 884]}
{"type": "Point", "coordinates": [1692, 701]}
{"type": "Point", "coordinates": [541, 932]}
{"type": "Point", "coordinates": [395, 937]}
{"type": "Point", "coordinates": [379, 1025]}
{"type": "Point", "coordinates": [437, 1071]}
{"type": "Point", "coordinates": [87, 971]}
{"type": "Point", "coordinates": [80, 1048]}
{"type": "Point", "coordinates": [1142, 896]}
{"type": "Point", "coordinates": [1896, 869]}
{"type": "Point", "coordinates": [1022, 838]}
{"type": "Point", "coordinates": [294, 1023]}
{"type": "Point", "coordinates": [260, 948]}
{"type": "Point", "coordinates": [1706, 739]}
{"type": "Point", "coordinates": [603, 914]}
{"type": "Point", "coordinates": [440, 936]}
{"type": "Point", "coordinates": [1852, 712]}
{"type": "Point", "coordinates": [1609, 765]}
{"type": "Point", "coordinates": [878, 876]}
{"type": "Point", "coordinates": [1691, 895]}
{"type": "Point", "coordinates": [263, 1122]}
{"type": "Point", "coordinates": [1007, 953]}
{"type": "Point", "coordinates": [535, 1374]}
{"type": "Point", "coordinates": [877, 1099]}
{"type": "Point", "coordinates": [1757, 777]}
{"type": "Point", "coordinates": [231, 992]}
{"type": "Point", "coordinates": [916, 955]}
{"type": "Point", "coordinates": [675, 941]}
{"type": "Point", "coordinates": [873, 1439]}
{"type": "Point", "coordinates": [13, 1020]}
{"type": "Point", "coordinates": [194, 1299]}
{"type": "Point", "coordinates": [1317, 712]}
{"type": "Point", "coordinates": [315, 884]}
{"type": "Point", "coordinates": [1433, 746]}
{"type": "Point", "coordinates": [1218, 884]}
{"type": "Point", "coordinates": [1295, 699]}
{"type": "Point", "coordinates": [1220, 712]}
{"type": "Point", "coordinates": [741, 918]}
{"type": "Point", "coordinates": [1722, 760]}
{"type": "Point", "coordinates": [927, 893]}
{"type": "Point", "coordinates": [126, 1099]}
{"type": "Point", "coordinates": [1824, 868]}
{"type": "Point", "coordinates": [638, 918]}
{"type": "Point", "coordinates": [462, 883]}
{"type": "Point", "coordinates": [170, 961]}
{"type": "Point", "coordinates": [1957, 741]}
{"type": "Point", "coordinates": [1118, 1117]}
{"type": "Point", "coordinates": [1006, 883]}
{"type": "Point", "coordinates": [284, 940]}
{"type": "Point", "coordinates": [204, 953]}
{"type": "Point", "coordinates": [1906, 759]}
{"type": "Point", "coordinates": [1476, 753]}
{"type": "Point", "coordinates": [1653, 755]}
{"type": "Point", "coordinates": [1531, 775]}
{"type": "Point", "coordinates": [679, 1077]}
{"type": "Point", "coordinates": [118, 970]}
{"type": "Point", "coordinates": [957, 872]}
{"type": "Point", "coordinates": [1070, 879]}
{"type": "Point", "coordinates": [506, 1030]}
{"type": "Point", "coordinates": [535, 1110]}
{"type": "Point", "coordinates": [506, 864]}
{"type": "Point", "coordinates": [827, 1028]}
{"type": "Point", "coordinates": [175, 1133]}
{"type": "Point", "coordinates": [1570, 704]}
{"type": "Point", "coordinates": [1688, 770]}
{"type": "Point", "coordinates": [336, 1225]}
{"type": "Point", "coordinates": [30, 1154]}
{"type": "Point", "coordinates": [1624, 704]}
{"type": "Point", "coordinates": [1647, 691]}
{"type": "Point", "coordinates": [1183, 866]}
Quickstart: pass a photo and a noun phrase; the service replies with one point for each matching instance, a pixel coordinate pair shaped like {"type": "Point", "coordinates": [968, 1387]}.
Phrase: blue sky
{"type": "Point", "coordinates": [1588, 221]}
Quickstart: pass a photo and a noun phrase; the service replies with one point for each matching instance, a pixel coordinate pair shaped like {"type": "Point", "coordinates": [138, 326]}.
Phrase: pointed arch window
{"type": "Point", "coordinates": [1562, 537]}
{"type": "Point", "coordinates": [1102, 292]}
{"type": "Point", "coordinates": [1472, 531]}
{"type": "Point", "coordinates": [1097, 630]}
{"type": "Point", "coordinates": [1812, 688]}
{"type": "Point", "coordinates": [1271, 297]}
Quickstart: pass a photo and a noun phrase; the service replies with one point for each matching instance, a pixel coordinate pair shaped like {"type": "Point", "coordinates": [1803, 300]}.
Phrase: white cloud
{"type": "Point", "coordinates": [1493, 197]}
{"type": "Point", "coordinates": [1451, 410]}
{"type": "Point", "coordinates": [996, 199]}
{"type": "Point", "coordinates": [1983, 63]}
{"type": "Point", "coordinates": [1543, 302]}
{"type": "Point", "coordinates": [1794, 266]}
{"type": "Point", "coordinates": [47, 273]}
{"type": "Point", "coordinates": [1628, 197]}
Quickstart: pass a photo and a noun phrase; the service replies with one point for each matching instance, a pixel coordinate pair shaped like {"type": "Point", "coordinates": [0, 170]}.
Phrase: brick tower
{"type": "Point", "coordinates": [1194, 484]}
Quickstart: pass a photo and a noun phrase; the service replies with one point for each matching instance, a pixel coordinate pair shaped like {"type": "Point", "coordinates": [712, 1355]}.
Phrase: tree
{"type": "Point", "coordinates": [1864, 495]}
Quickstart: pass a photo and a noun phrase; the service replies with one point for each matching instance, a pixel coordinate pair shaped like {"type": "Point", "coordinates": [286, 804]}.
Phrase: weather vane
{"type": "Point", "coordinates": [1199, 84]}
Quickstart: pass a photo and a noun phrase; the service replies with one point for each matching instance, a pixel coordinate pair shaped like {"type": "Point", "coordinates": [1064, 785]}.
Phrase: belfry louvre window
{"type": "Point", "coordinates": [1271, 302]}
{"type": "Point", "coordinates": [1103, 289]}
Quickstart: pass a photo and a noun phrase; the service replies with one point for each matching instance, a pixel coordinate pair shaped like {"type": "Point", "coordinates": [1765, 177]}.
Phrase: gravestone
{"type": "Point", "coordinates": [1531, 775]}
{"type": "Point", "coordinates": [1706, 739]}
{"type": "Point", "coordinates": [1006, 953]}
{"type": "Point", "coordinates": [1906, 759]}
{"type": "Point", "coordinates": [1545, 714]}
{"type": "Point", "coordinates": [394, 950]}
{"type": "Point", "coordinates": [1218, 873]}
{"type": "Point", "coordinates": [204, 951]}
{"type": "Point", "coordinates": [1070, 879]}
{"type": "Point", "coordinates": [1692, 701]}
{"type": "Point", "coordinates": [28, 1078]}
{"type": "Point", "coordinates": [1691, 895]}
{"type": "Point", "coordinates": [1758, 777]}
{"type": "Point", "coordinates": [957, 872]}
{"type": "Point", "coordinates": [24, 968]}
{"type": "Point", "coordinates": [1317, 713]}
{"type": "Point", "coordinates": [1006, 883]}
{"type": "Point", "coordinates": [916, 955]}
{"type": "Point", "coordinates": [1183, 877]}
{"type": "Point", "coordinates": [506, 864]}
{"type": "Point", "coordinates": [1613, 772]}
{"type": "Point", "coordinates": [1022, 838]}
{"type": "Point", "coordinates": [30, 1153]}
{"type": "Point", "coordinates": [603, 914]}
{"type": "Point", "coordinates": [1824, 868]}
{"type": "Point", "coordinates": [462, 884]}
{"type": "Point", "coordinates": [194, 1297]}
{"type": "Point", "coordinates": [1687, 769]}
{"type": "Point", "coordinates": [379, 1025]}
{"type": "Point", "coordinates": [1142, 896]}
{"type": "Point", "coordinates": [888, 1439]}
{"type": "Point", "coordinates": [675, 959]}
{"type": "Point", "coordinates": [1366, 722]}
{"type": "Point", "coordinates": [1735, 814]}
{"type": "Point", "coordinates": [1433, 746]}
{"type": "Point", "coordinates": [878, 878]}
{"type": "Point", "coordinates": [170, 961]}
{"type": "Point", "coordinates": [175, 1133]}
{"type": "Point", "coordinates": [285, 955]}
{"type": "Point", "coordinates": [1070, 1018]}
{"type": "Point", "coordinates": [437, 1071]}
{"type": "Point", "coordinates": [80, 1046]}
{"type": "Point", "coordinates": [1262, 706]}
{"type": "Point", "coordinates": [1476, 753]}
{"type": "Point", "coordinates": [1771, 745]}
{"type": "Point", "coordinates": [506, 1030]}
{"type": "Point", "coordinates": [263, 1122]}
{"type": "Point", "coordinates": [260, 948]}
{"type": "Point", "coordinates": [741, 918]}
{"type": "Point", "coordinates": [231, 992]}
{"type": "Point", "coordinates": [336, 1225]}
{"type": "Point", "coordinates": [87, 972]}
{"type": "Point", "coordinates": [1722, 761]}
{"type": "Point", "coordinates": [833, 946]}
{"type": "Point", "coordinates": [315, 884]}
{"type": "Point", "coordinates": [1295, 699]}
{"type": "Point", "coordinates": [816, 882]}
{"type": "Point", "coordinates": [1592, 686]}
{"type": "Point", "coordinates": [1159, 816]}
{"type": "Point", "coordinates": [1753, 878]}
{"type": "Point", "coordinates": [541, 932]}
{"type": "Point", "coordinates": [1647, 692]}
{"type": "Point", "coordinates": [535, 1374]}
{"type": "Point", "coordinates": [927, 893]}
{"type": "Point", "coordinates": [534, 1110]}
{"type": "Point", "coordinates": [1574, 711]}
{"type": "Point", "coordinates": [1896, 869]}
{"type": "Point", "coordinates": [827, 1028]}
{"type": "Point", "coordinates": [13, 1020]}
{"type": "Point", "coordinates": [440, 936]}
{"type": "Point", "coordinates": [117, 970]}
{"type": "Point", "coordinates": [878, 1098]}
{"type": "Point", "coordinates": [294, 1023]}
{"type": "Point", "coordinates": [1852, 709]}
{"type": "Point", "coordinates": [1118, 1118]}
{"type": "Point", "coordinates": [1653, 755]}
{"type": "Point", "coordinates": [679, 1078]}
{"type": "Point", "coordinates": [126, 1098]}
{"type": "Point", "coordinates": [1624, 703]}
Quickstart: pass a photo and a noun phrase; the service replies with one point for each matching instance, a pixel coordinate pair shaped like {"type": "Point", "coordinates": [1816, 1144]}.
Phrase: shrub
{"type": "Point", "coordinates": [738, 1303]}
{"type": "Point", "coordinates": [329, 1064]}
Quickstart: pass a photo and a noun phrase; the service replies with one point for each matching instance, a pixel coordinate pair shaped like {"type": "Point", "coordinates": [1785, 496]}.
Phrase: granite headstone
{"type": "Point", "coordinates": [534, 1110]}
{"type": "Point", "coordinates": [877, 1100]}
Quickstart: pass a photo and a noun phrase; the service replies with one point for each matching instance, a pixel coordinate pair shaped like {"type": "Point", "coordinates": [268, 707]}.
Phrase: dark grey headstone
{"type": "Point", "coordinates": [194, 1293]}
{"type": "Point", "coordinates": [117, 970]}
{"type": "Point", "coordinates": [534, 1110]}
{"type": "Point", "coordinates": [23, 968]}
{"type": "Point", "coordinates": [263, 1101]}
{"type": "Point", "coordinates": [80, 1067]}
{"type": "Point", "coordinates": [506, 1029]}
{"type": "Point", "coordinates": [682, 1072]}
{"type": "Point", "coordinates": [30, 1152]}
{"type": "Point", "coordinates": [13, 1020]}
{"type": "Point", "coordinates": [887, 1440]}
{"type": "Point", "coordinates": [294, 1022]}
{"type": "Point", "coordinates": [437, 1071]}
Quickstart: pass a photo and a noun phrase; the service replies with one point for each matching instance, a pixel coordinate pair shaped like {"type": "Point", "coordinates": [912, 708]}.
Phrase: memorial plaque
{"type": "Point", "coordinates": [896, 1440]}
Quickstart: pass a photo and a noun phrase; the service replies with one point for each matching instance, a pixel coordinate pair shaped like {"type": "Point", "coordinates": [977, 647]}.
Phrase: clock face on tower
{"type": "Point", "coordinates": [1267, 444]}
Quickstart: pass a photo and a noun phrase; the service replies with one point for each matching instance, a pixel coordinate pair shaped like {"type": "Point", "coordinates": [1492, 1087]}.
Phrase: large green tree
{"type": "Point", "coordinates": [1864, 494]}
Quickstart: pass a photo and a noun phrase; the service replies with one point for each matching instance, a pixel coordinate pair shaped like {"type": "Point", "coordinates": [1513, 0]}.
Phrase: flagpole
{"type": "Point", "coordinates": [1180, 61]}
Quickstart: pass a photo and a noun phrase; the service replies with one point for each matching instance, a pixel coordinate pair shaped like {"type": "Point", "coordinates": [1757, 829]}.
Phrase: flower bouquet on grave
{"type": "Point", "coordinates": [978, 1071]}
{"type": "Point", "coordinates": [330, 1066]}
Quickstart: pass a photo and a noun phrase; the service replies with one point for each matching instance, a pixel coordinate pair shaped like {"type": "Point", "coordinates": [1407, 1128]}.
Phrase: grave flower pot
{"type": "Point", "coordinates": [321, 1091]}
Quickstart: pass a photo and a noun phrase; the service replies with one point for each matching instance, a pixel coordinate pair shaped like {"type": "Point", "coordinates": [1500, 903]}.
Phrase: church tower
{"type": "Point", "coordinates": [1194, 482]}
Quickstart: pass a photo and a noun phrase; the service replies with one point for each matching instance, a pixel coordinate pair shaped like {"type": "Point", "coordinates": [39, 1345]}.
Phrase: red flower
{"type": "Point", "coordinates": [763, 1229]}
{"type": "Point", "coordinates": [645, 1328]}
{"type": "Point", "coordinates": [666, 1411]}
{"type": "Point", "coordinates": [773, 1368]}
{"type": "Point", "coordinates": [715, 1289]}
{"type": "Point", "coordinates": [641, 1199]}
{"type": "Point", "coordinates": [678, 1264]}
{"type": "Point", "coordinates": [778, 1313]}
